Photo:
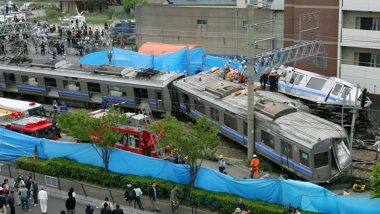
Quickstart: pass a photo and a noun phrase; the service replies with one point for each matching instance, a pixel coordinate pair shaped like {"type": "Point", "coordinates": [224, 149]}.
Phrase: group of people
{"type": "Point", "coordinates": [254, 164]}
{"type": "Point", "coordinates": [23, 190]}
{"type": "Point", "coordinates": [271, 78]}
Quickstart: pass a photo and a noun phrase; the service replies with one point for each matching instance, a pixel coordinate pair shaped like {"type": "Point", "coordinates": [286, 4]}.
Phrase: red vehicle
{"type": "Point", "coordinates": [136, 137]}
{"type": "Point", "coordinates": [34, 126]}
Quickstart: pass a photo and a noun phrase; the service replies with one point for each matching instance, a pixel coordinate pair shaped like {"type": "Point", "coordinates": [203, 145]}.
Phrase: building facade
{"type": "Point", "coordinates": [328, 11]}
{"type": "Point", "coordinates": [221, 29]}
{"type": "Point", "coordinates": [359, 43]}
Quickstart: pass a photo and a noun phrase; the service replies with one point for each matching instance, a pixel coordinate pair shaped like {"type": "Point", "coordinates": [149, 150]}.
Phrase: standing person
{"type": "Point", "coordinates": [117, 210]}
{"type": "Point", "coordinates": [138, 193]}
{"type": "Point", "coordinates": [377, 148]}
{"type": "Point", "coordinates": [11, 202]}
{"type": "Point", "coordinates": [222, 164]}
{"type": "Point", "coordinates": [89, 209]}
{"type": "Point", "coordinates": [19, 182]}
{"type": "Point", "coordinates": [43, 198]}
{"type": "Point", "coordinates": [5, 186]}
{"type": "Point", "coordinates": [106, 201]}
{"type": "Point", "coordinates": [105, 209]}
{"type": "Point", "coordinates": [264, 79]}
{"type": "Point", "coordinates": [174, 199]}
{"type": "Point", "coordinates": [34, 190]}
{"type": "Point", "coordinates": [255, 166]}
{"type": "Point", "coordinates": [71, 190]}
{"type": "Point", "coordinates": [153, 197]}
{"type": "Point", "coordinates": [24, 192]}
{"type": "Point", "coordinates": [70, 204]}
{"type": "Point", "coordinates": [3, 203]}
{"type": "Point", "coordinates": [129, 195]}
{"type": "Point", "coordinates": [272, 81]}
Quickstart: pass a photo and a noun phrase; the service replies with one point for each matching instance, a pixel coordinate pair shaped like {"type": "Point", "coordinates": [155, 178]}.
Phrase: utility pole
{"type": "Point", "coordinates": [251, 114]}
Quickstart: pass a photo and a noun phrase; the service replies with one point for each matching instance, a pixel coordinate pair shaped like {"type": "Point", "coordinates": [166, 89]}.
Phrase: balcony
{"type": "Point", "coordinates": [366, 77]}
{"type": "Point", "coordinates": [360, 38]}
{"type": "Point", "coordinates": [361, 5]}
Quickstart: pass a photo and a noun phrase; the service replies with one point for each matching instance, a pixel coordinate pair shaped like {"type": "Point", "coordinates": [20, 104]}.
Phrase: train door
{"type": "Point", "coordinates": [286, 155]}
{"type": "Point", "coordinates": [342, 155]}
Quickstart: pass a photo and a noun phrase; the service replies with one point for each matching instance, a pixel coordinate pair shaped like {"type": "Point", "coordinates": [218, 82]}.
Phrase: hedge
{"type": "Point", "coordinates": [220, 202]}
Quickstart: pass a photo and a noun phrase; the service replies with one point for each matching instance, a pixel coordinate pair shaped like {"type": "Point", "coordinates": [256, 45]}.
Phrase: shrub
{"type": "Point", "coordinates": [221, 202]}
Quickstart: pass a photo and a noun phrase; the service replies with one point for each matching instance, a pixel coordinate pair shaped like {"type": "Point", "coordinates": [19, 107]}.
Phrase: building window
{"type": "Point", "coordinates": [321, 159]}
{"type": "Point", "coordinates": [365, 59]}
{"type": "Point", "coordinates": [50, 82]}
{"type": "Point", "coordinates": [366, 23]}
{"type": "Point", "coordinates": [230, 121]}
{"type": "Point", "coordinates": [267, 139]}
{"type": "Point", "coordinates": [199, 106]}
{"type": "Point", "coordinates": [93, 87]}
{"type": "Point", "coordinates": [316, 83]}
{"type": "Point", "coordinates": [286, 149]}
{"type": "Point", "coordinates": [214, 114]}
{"type": "Point", "coordinates": [201, 21]}
{"type": "Point", "coordinates": [304, 158]}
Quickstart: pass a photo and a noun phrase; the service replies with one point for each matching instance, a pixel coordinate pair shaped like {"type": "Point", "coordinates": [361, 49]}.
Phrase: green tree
{"type": "Point", "coordinates": [129, 4]}
{"type": "Point", "coordinates": [193, 142]}
{"type": "Point", "coordinates": [375, 181]}
{"type": "Point", "coordinates": [98, 131]}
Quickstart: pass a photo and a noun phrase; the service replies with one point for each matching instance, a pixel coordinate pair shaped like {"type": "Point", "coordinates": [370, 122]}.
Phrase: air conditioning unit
{"type": "Point", "coordinates": [260, 3]}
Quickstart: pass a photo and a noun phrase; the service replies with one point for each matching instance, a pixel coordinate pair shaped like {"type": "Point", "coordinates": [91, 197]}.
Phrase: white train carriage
{"type": "Point", "coordinates": [306, 145]}
{"type": "Point", "coordinates": [318, 88]}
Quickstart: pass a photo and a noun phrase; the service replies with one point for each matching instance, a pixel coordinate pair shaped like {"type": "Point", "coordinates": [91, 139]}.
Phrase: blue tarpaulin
{"type": "Point", "coordinates": [303, 195]}
{"type": "Point", "coordinates": [183, 60]}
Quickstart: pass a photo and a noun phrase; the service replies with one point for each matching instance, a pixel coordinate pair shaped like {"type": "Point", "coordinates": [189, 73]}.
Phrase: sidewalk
{"type": "Point", "coordinates": [94, 195]}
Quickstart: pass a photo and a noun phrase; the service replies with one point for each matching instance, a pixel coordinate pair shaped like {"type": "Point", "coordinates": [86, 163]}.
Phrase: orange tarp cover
{"type": "Point", "coordinates": [161, 48]}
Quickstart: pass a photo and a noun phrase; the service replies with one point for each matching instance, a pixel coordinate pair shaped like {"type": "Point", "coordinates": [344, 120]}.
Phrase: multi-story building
{"type": "Point", "coordinates": [220, 25]}
{"type": "Point", "coordinates": [328, 11]}
{"type": "Point", "coordinates": [359, 43]}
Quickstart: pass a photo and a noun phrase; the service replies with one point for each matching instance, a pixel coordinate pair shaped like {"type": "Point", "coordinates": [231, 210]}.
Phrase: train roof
{"type": "Point", "coordinates": [116, 75]}
{"type": "Point", "coordinates": [17, 105]}
{"type": "Point", "coordinates": [228, 95]}
{"type": "Point", "coordinates": [308, 129]}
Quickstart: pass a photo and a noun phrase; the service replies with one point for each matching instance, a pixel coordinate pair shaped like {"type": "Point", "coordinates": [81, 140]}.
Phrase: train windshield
{"type": "Point", "coordinates": [342, 154]}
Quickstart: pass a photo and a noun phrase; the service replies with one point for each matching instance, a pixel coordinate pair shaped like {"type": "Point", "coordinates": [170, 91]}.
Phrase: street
{"type": "Point", "coordinates": [54, 206]}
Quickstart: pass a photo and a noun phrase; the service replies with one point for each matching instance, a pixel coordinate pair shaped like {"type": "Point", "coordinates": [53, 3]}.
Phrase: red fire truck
{"type": "Point", "coordinates": [26, 118]}
{"type": "Point", "coordinates": [34, 126]}
{"type": "Point", "coordinates": [136, 137]}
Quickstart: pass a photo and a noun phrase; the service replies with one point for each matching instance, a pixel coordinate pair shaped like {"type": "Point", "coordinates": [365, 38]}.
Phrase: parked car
{"type": "Point", "coordinates": [123, 26]}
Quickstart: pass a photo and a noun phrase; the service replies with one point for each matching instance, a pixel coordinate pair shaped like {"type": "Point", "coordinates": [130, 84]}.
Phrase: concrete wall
{"type": "Point", "coordinates": [224, 32]}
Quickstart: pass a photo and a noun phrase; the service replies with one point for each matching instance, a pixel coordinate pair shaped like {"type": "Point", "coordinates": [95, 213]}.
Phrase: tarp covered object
{"type": "Point", "coordinates": [303, 195]}
{"type": "Point", "coordinates": [180, 61]}
{"type": "Point", "coordinates": [156, 48]}
{"type": "Point", "coordinates": [216, 61]}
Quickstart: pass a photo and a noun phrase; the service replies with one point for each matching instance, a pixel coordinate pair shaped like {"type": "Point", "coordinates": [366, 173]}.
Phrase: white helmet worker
{"type": "Point", "coordinates": [254, 156]}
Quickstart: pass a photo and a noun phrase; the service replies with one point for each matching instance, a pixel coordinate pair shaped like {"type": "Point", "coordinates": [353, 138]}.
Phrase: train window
{"type": "Point", "coordinates": [299, 79]}
{"type": "Point", "coordinates": [304, 158]}
{"type": "Point", "coordinates": [9, 77]}
{"type": "Point", "coordinates": [337, 89]}
{"type": "Point", "coordinates": [159, 96]}
{"type": "Point", "coordinates": [346, 92]}
{"type": "Point", "coordinates": [245, 128]}
{"type": "Point", "coordinates": [71, 85]}
{"type": "Point", "coordinates": [117, 90]}
{"type": "Point", "coordinates": [214, 114]}
{"type": "Point", "coordinates": [267, 139]}
{"type": "Point", "coordinates": [316, 83]}
{"type": "Point", "coordinates": [230, 121]}
{"type": "Point", "coordinates": [93, 87]}
{"type": "Point", "coordinates": [141, 93]}
{"type": "Point", "coordinates": [199, 106]}
{"type": "Point", "coordinates": [50, 82]}
{"type": "Point", "coordinates": [321, 159]}
{"type": "Point", "coordinates": [24, 78]}
{"type": "Point", "coordinates": [286, 149]}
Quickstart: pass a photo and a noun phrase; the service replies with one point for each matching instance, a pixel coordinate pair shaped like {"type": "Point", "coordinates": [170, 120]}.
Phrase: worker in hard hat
{"type": "Point", "coordinates": [255, 166]}
{"type": "Point", "coordinates": [222, 164]}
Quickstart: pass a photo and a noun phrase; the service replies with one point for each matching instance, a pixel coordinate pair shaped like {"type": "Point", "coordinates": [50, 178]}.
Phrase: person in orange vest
{"type": "Point", "coordinates": [255, 166]}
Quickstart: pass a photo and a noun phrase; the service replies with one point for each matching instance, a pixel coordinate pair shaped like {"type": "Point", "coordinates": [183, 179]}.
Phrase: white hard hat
{"type": "Point", "coordinates": [254, 155]}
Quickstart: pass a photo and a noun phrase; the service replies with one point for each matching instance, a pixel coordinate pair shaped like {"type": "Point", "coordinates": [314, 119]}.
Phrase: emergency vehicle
{"type": "Point", "coordinates": [27, 118]}
{"type": "Point", "coordinates": [136, 137]}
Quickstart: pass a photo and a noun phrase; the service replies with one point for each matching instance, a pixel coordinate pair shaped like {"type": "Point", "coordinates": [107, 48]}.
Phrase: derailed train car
{"type": "Point", "coordinates": [310, 147]}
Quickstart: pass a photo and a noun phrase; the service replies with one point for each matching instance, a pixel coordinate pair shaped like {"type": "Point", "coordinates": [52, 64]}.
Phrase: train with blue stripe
{"type": "Point", "coordinates": [304, 144]}
{"type": "Point", "coordinates": [309, 146]}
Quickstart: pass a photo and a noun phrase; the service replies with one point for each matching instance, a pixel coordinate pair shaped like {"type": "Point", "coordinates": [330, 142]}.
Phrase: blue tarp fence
{"type": "Point", "coordinates": [183, 60]}
{"type": "Point", "coordinates": [303, 195]}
